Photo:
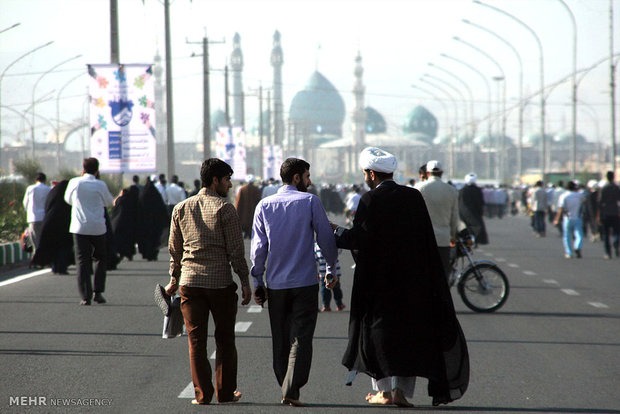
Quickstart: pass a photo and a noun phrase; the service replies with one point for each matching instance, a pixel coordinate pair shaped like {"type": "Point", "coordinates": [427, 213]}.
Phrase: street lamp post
{"type": "Point", "coordinates": [499, 149]}
{"type": "Point", "coordinates": [33, 97]}
{"type": "Point", "coordinates": [2, 77]}
{"type": "Point", "coordinates": [471, 111]}
{"type": "Point", "coordinates": [521, 102]}
{"type": "Point", "coordinates": [10, 27]}
{"type": "Point", "coordinates": [455, 125]}
{"type": "Point", "coordinates": [58, 118]}
{"type": "Point", "coordinates": [543, 150]}
{"type": "Point", "coordinates": [486, 83]}
{"type": "Point", "coordinates": [574, 91]}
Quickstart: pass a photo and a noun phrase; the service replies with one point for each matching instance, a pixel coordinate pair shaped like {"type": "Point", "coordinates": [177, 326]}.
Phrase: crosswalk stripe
{"type": "Point", "coordinates": [242, 326]}
{"type": "Point", "coordinates": [188, 392]}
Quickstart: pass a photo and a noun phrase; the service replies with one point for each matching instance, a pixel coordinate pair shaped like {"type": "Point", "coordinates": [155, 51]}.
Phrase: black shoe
{"type": "Point", "coordinates": [99, 298]}
{"type": "Point", "coordinates": [85, 302]}
{"type": "Point", "coordinates": [578, 253]}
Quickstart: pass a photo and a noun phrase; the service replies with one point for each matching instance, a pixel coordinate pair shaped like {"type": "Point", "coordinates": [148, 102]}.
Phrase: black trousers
{"type": "Point", "coordinates": [293, 315]}
{"type": "Point", "coordinates": [89, 249]}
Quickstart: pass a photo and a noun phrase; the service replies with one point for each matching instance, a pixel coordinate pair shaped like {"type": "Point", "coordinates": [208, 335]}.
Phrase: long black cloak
{"type": "Point", "coordinates": [55, 234]}
{"type": "Point", "coordinates": [402, 319]}
{"type": "Point", "coordinates": [471, 210]}
{"type": "Point", "coordinates": [124, 219]}
{"type": "Point", "coordinates": [153, 217]}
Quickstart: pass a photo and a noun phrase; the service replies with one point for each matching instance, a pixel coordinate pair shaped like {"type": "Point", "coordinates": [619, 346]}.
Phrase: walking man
{"type": "Point", "coordinates": [89, 197]}
{"type": "Point", "coordinates": [609, 215]}
{"type": "Point", "coordinates": [205, 242]}
{"type": "Point", "coordinates": [402, 322]}
{"type": "Point", "coordinates": [34, 204]}
{"type": "Point", "coordinates": [283, 234]}
{"type": "Point", "coordinates": [442, 202]}
{"type": "Point", "coordinates": [570, 216]}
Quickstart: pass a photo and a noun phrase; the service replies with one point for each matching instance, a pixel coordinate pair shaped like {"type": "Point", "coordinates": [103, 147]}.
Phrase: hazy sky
{"type": "Point", "coordinates": [396, 38]}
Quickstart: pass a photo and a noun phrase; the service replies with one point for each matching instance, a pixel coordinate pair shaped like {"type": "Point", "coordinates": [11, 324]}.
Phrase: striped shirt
{"type": "Point", "coordinates": [205, 241]}
{"type": "Point", "coordinates": [322, 263]}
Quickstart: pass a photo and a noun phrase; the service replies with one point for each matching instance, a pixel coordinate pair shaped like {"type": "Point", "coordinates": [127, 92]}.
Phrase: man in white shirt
{"type": "Point", "coordinates": [175, 193]}
{"type": "Point", "coordinates": [570, 214]}
{"type": "Point", "coordinates": [88, 197]}
{"type": "Point", "coordinates": [160, 184]}
{"type": "Point", "coordinates": [442, 202]}
{"type": "Point", "coordinates": [34, 204]}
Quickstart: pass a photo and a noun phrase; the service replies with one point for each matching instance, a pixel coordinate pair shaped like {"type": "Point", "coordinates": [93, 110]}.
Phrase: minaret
{"type": "Point", "coordinates": [359, 112]}
{"type": "Point", "coordinates": [236, 63]}
{"type": "Point", "coordinates": [278, 112]}
{"type": "Point", "coordinates": [160, 114]}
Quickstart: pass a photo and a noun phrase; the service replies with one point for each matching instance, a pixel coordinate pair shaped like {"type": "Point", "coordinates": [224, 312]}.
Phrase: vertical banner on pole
{"type": "Point", "coordinates": [230, 148]}
{"type": "Point", "coordinates": [272, 159]}
{"type": "Point", "coordinates": [122, 117]}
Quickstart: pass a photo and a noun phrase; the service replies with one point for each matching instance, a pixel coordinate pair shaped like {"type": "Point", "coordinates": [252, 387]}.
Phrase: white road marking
{"type": "Point", "coordinates": [500, 259]}
{"type": "Point", "coordinates": [26, 276]}
{"type": "Point", "coordinates": [570, 292]}
{"type": "Point", "coordinates": [242, 326]}
{"type": "Point", "coordinates": [188, 392]}
{"type": "Point", "coordinates": [213, 355]}
{"type": "Point", "coordinates": [488, 254]}
{"type": "Point", "coordinates": [513, 265]}
{"type": "Point", "coordinates": [529, 273]}
{"type": "Point", "coordinates": [599, 305]}
{"type": "Point", "coordinates": [255, 309]}
{"type": "Point", "coordinates": [551, 281]}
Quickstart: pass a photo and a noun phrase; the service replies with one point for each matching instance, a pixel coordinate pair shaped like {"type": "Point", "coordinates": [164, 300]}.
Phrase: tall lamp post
{"type": "Point", "coordinates": [10, 27]}
{"type": "Point", "coordinates": [521, 102]}
{"type": "Point", "coordinates": [2, 77]}
{"type": "Point", "coordinates": [58, 118]}
{"type": "Point", "coordinates": [456, 122]}
{"type": "Point", "coordinates": [33, 99]}
{"type": "Point", "coordinates": [574, 91]}
{"type": "Point", "coordinates": [499, 149]}
{"type": "Point", "coordinates": [543, 149]}
{"type": "Point", "coordinates": [486, 83]}
{"type": "Point", "coordinates": [472, 118]}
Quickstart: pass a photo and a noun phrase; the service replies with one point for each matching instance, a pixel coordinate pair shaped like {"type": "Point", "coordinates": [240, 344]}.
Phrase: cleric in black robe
{"type": "Point", "coordinates": [402, 320]}
{"type": "Point", "coordinates": [153, 217]}
{"type": "Point", "coordinates": [471, 209]}
{"type": "Point", "coordinates": [124, 219]}
{"type": "Point", "coordinates": [56, 246]}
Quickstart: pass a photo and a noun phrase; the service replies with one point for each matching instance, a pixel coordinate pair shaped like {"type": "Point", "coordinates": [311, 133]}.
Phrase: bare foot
{"type": "Point", "coordinates": [399, 399]}
{"type": "Point", "coordinates": [380, 398]}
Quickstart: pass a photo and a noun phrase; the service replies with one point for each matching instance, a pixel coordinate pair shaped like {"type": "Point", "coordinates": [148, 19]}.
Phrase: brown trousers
{"type": "Point", "coordinates": [196, 303]}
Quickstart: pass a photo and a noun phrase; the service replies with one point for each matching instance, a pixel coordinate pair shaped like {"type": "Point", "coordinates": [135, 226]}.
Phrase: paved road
{"type": "Point", "coordinates": [553, 348]}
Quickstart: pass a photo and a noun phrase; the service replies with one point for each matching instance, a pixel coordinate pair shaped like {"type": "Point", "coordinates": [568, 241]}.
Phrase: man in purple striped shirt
{"type": "Point", "coordinates": [283, 235]}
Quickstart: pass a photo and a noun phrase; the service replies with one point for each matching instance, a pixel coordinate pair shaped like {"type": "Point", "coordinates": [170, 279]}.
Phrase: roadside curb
{"type": "Point", "coordinates": [12, 253]}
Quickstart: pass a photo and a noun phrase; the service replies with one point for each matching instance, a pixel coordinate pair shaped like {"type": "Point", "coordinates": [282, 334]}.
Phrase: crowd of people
{"type": "Point", "coordinates": [402, 320]}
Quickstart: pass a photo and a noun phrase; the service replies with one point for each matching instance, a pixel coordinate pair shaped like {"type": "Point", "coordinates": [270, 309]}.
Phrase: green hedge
{"type": "Point", "coordinates": [12, 214]}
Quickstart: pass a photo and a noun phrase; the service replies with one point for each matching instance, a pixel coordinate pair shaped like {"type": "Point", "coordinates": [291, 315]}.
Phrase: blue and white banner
{"type": "Point", "coordinates": [122, 117]}
{"type": "Point", "coordinates": [230, 148]}
{"type": "Point", "coordinates": [272, 160]}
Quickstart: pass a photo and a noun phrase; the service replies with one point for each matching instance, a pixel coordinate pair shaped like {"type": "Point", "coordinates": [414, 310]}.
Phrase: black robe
{"type": "Point", "coordinates": [152, 218]}
{"type": "Point", "coordinates": [402, 319]}
{"type": "Point", "coordinates": [55, 236]}
{"type": "Point", "coordinates": [471, 211]}
{"type": "Point", "coordinates": [124, 220]}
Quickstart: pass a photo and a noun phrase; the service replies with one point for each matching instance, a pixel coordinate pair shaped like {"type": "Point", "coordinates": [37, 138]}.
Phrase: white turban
{"type": "Point", "coordinates": [376, 159]}
{"type": "Point", "coordinates": [470, 178]}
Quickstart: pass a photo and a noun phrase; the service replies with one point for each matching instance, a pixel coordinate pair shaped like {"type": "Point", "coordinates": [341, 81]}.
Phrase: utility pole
{"type": "Point", "coordinates": [206, 95]}
{"type": "Point", "coordinates": [114, 45]}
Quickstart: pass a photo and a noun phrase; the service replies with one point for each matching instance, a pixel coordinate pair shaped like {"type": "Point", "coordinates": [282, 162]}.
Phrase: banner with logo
{"type": "Point", "coordinates": [230, 148]}
{"type": "Point", "coordinates": [272, 160]}
{"type": "Point", "coordinates": [122, 117]}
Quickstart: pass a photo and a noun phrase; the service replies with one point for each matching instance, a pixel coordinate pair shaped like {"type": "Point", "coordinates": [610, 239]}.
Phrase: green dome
{"type": "Point", "coordinates": [319, 107]}
{"type": "Point", "coordinates": [375, 123]}
{"type": "Point", "coordinates": [421, 120]}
